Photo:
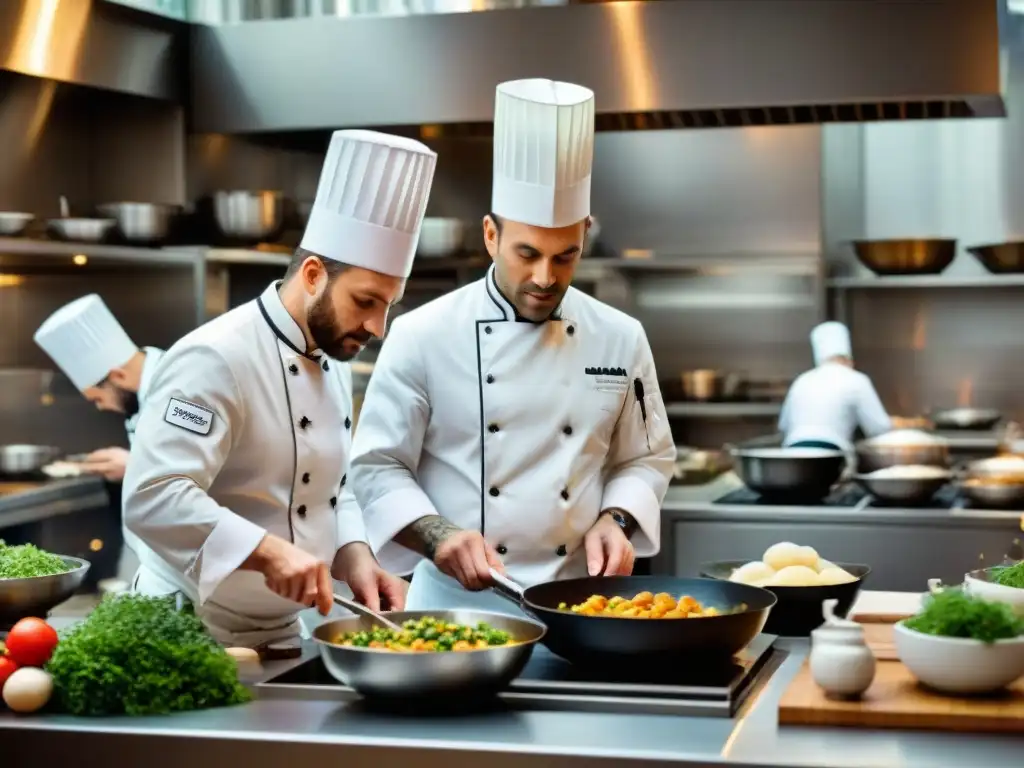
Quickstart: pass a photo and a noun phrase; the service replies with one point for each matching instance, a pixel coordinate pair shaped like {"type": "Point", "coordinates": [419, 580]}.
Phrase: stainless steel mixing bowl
{"type": "Point", "coordinates": [254, 215]}
{"type": "Point", "coordinates": [142, 223]}
{"type": "Point", "coordinates": [37, 595]}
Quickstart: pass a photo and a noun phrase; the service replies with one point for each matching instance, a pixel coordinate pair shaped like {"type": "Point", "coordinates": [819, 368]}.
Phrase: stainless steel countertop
{"type": "Point", "coordinates": [282, 727]}
{"type": "Point", "coordinates": [52, 498]}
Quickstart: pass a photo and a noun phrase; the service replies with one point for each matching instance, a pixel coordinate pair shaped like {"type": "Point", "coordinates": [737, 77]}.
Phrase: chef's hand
{"type": "Point", "coordinates": [609, 552]}
{"type": "Point", "coordinates": [467, 557]}
{"type": "Point", "coordinates": [371, 585]}
{"type": "Point", "coordinates": [110, 463]}
{"type": "Point", "coordinates": [292, 573]}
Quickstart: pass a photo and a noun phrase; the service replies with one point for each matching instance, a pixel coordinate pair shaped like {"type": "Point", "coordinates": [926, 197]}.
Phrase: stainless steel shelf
{"type": "Point", "coordinates": [722, 410]}
{"type": "Point", "coordinates": [926, 281]}
{"type": "Point", "coordinates": [246, 256]}
{"type": "Point", "coordinates": [55, 249]}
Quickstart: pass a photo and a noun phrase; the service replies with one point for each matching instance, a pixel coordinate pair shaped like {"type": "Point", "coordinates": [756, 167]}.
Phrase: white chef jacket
{"type": "Point", "coordinates": [520, 430]}
{"type": "Point", "coordinates": [243, 433]}
{"type": "Point", "coordinates": [828, 403]}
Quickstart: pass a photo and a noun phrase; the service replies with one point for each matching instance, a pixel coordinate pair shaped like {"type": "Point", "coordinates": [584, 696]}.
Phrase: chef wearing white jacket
{"type": "Point", "coordinates": [825, 405]}
{"type": "Point", "coordinates": [516, 423]}
{"type": "Point", "coordinates": [237, 480]}
{"type": "Point", "coordinates": [87, 343]}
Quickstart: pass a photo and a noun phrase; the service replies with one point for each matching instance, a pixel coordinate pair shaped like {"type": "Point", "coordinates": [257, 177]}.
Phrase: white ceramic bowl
{"type": "Point", "coordinates": [977, 584]}
{"type": "Point", "coordinates": [958, 665]}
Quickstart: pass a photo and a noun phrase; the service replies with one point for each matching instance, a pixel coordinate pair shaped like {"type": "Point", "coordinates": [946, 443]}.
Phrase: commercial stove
{"type": "Point", "coordinates": [691, 688]}
{"type": "Point", "coordinates": [852, 497]}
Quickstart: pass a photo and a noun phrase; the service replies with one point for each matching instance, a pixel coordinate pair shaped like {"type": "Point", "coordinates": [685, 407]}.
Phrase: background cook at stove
{"type": "Point", "coordinates": [827, 404]}
{"type": "Point", "coordinates": [237, 480]}
{"type": "Point", "coordinates": [87, 343]}
{"type": "Point", "coordinates": [516, 422]}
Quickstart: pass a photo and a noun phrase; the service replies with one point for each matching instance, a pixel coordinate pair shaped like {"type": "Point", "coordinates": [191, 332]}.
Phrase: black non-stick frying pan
{"type": "Point", "coordinates": [604, 639]}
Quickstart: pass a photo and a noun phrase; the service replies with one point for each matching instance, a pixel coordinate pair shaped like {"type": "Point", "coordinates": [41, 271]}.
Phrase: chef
{"type": "Point", "coordinates": [87, 343]}
{"type": "Point", "coordinates": [516, 423]}
{"type": "Point", "coordinates": [825, 405]}
{"type": "Point", "coordinates": [238, 479]}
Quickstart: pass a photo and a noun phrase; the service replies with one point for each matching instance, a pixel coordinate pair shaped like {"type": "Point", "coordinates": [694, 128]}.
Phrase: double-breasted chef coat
{"type": "Point", "coordinates": [522, 431]}
{"type": "Point", "coordinates": [243, 433]}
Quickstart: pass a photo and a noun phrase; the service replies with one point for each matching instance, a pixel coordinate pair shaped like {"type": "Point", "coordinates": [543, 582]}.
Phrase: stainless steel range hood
{"type": "Point", "coordinates": [654, 64]}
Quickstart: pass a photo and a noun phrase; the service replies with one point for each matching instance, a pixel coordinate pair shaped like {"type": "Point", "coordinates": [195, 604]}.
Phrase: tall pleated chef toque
{"type": "Point", "coordinates": [85, 340]}
{"type": "Point", "coordinates": [543, 152]}
{"type": "Point", "coordinates": [830, 340]}
{"type": "Point", "coordinates": [370, 201]}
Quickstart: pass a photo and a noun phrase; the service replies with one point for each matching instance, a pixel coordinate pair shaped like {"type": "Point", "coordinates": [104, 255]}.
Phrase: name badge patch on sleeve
{"type": "Point", "coordinates": [194, 418]}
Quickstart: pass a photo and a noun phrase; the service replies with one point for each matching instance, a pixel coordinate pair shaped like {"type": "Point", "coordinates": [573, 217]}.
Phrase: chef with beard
{"type": "Point", "coordinates": [87, 343]}
{"type": "Point", "coordinates": [516, 423]}
{"type": "Point", "coordinates": [238, 477]}
{"type": "Point", "coordinates": [827, 404]}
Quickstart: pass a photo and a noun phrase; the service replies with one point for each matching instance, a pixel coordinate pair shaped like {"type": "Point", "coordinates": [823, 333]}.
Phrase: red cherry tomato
{"type": "Point", "coordinates": [7, 667]}
{"type": "Point", "coordinates": [30, 642]}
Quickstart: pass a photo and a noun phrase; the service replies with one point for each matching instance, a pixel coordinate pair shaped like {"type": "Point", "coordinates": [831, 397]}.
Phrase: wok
{"type": "Point", "coordinates": [384, 674]}
{"type": "Point", "coordinates": [902, 490]}
{"type": "Point", "coordinates": [605, 640]}
{"type": "Point", "coordinates": [35, 596]}
{"type": "Point", "coordinates": [872, 455]}
{"type": "Point", "coordinates": [800, 474]}
{"type": "Point", "coordinates": [967, 418]}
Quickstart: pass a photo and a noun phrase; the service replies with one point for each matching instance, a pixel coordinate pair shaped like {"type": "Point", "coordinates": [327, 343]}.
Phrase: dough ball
{"type": "Point", "coordinates": [786, 553]}
{"type": "Point", "coordinates": [752, 573]}
{"type": "Point", "coordinates": [824, 565]}
{"type": "Point", "coordinates": [795, 576]}
{"type": "Point", "coordinates": [835, 575]}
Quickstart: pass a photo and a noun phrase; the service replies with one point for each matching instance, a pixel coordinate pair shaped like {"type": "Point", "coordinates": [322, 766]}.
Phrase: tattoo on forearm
{"type": "Point", "coordinates": [427, 534]}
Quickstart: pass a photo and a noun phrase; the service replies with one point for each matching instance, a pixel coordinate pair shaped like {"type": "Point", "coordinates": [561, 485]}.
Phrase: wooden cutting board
{"type": "Point", "coordinates": [895, 700]}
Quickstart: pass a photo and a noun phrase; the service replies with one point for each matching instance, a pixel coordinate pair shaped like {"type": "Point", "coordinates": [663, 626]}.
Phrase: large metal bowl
{"type": "Point", "coordinates": [13, 223]}
{"type": "Point", "coordinates": [994, 483]}
{"type": "Point", "coordinates": [80, 230]}
{"type": "Point", "coordinates": [905, 257]}
{"type": "Point", "coordinates": [902, 490]}
{"type": "Point", "coordinates": [966, 418]}
{"type": "Point", "coordinates": [22, 459]}
{"type": "Point", "coordinates": [253, 215]}
{"type": "Point", "coordinates": [440, 237]}
{"type": "Point", "coordinates": [36, 596]}
{"type": "Point", "coordinates": [872, 455]}
{"type": "Point", "coordinates": [1001, 258]}
{"type": "Point", "coordinates": [142, 223]}
{"type": "Point", "coordinates": [390, 675]}
{"type": "Point", "coordinates": [795, 474]}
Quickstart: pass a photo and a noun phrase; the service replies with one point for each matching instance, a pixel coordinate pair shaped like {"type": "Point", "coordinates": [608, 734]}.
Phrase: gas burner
{"type": "Point", "coordinates": [843, 496]}
{"type": "Point", "coordinates": [551, 683]}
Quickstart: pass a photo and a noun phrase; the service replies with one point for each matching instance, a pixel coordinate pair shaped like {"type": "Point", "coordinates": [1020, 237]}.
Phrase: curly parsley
{"type": "Point", "coordinates": [951, 613]}
{"type": "Point", "coordinates": [1009, 575]}
{"type": "Point", "coordinates": [23, 561]}
{"type": "Point", "coordinates": [137, 655]}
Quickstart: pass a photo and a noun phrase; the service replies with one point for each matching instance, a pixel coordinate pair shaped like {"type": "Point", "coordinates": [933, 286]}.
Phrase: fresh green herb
{"type": "Point", "coordinates": [23, 561]}
{"type": "Point", "coordinates": [137, 655]}
{"type": "Point", "coordinates": [951, 613]}
{"type": "Point", "coordinates": [1009, 575]}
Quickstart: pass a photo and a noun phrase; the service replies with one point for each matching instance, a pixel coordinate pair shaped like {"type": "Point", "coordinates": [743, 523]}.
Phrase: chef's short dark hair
{"type": "Point", "coordinates": [333, 268]}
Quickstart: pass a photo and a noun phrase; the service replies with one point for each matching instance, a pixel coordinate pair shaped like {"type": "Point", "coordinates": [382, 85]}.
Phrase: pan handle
{"type": "Point", "coordinates": [508, 589]}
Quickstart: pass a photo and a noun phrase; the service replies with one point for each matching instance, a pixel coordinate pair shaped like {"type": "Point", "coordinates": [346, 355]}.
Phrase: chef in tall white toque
{"type": "Point", "coordinates": [825, 405]}
{"type": "Point", "coordinates": [87, 343]}
{"type": "Point", "coordinates": [238, 477]}
{"type": "Point", "coordinates": [516, 422]}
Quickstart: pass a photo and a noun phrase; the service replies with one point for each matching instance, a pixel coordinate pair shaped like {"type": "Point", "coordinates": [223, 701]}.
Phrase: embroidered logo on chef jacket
{"type": "Point", "coordinates": [194, 418]}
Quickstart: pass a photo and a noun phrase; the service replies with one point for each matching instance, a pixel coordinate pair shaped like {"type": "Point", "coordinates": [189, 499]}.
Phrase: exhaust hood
{"type": "Point", "coordinates": [653, 65]}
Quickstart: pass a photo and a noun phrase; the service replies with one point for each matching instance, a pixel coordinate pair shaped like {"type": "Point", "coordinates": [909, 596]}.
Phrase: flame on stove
{"type": "Point", "coordinates": [964, 393]}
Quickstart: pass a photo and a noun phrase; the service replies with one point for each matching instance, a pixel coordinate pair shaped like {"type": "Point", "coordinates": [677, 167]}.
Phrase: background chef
{"type": "Point", "coordinates": [87, 343]}
{"type": "Point", "coordinates": [825, 405]}
{"type": "Point", "coordinates": [237, 479]}
{"type": "Point", "coordinates": [516, 422]}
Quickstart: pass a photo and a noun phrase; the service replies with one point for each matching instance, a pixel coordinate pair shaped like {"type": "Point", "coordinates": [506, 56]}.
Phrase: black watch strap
{"type": "Point", "coordinates": [624, 521]}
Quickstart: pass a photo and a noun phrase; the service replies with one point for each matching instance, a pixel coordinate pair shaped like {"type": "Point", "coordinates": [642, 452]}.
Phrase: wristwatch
{"type": "Point", "coordinates": [624, 520]}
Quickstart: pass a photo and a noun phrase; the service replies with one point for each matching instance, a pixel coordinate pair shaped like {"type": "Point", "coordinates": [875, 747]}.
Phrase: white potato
{"type": "Point", "coordinates": [835, 575]}
{"type": "Point", "coordinates": [786, 553]}
{"type": "Point", "coordinates": [795, 576]}
{"type": "Point", "coordinates": [751, 573]}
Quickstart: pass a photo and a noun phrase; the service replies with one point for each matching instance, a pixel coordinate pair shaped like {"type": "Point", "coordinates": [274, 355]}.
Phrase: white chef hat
{"type": "Point", "coordinates": [370, 201]}
{"type": "Point", "coordinates": [543, 152]}
{"type": "Point", "coordinates": [85, 340]}
{"type": "Point", "coordinates": [830, 340]}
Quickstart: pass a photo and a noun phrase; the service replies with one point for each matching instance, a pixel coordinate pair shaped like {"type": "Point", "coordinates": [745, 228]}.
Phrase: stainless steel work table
{"type": "Point", "coordinates": [293, 731]}
{"type": "Point", "coordinates": [51, 498]}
